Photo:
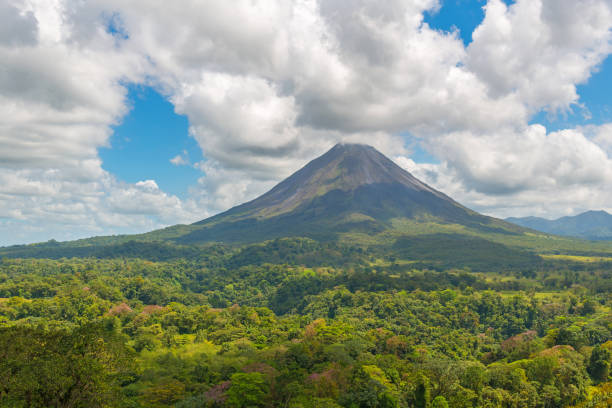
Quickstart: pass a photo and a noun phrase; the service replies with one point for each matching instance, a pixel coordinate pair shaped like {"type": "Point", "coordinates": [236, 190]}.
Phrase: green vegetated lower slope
{"type": "Point", "coordinates": [431, 242]}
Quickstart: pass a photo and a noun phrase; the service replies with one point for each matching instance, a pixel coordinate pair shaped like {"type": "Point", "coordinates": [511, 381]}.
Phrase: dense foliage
{"type": "Point", "coordinates": [297, 323]}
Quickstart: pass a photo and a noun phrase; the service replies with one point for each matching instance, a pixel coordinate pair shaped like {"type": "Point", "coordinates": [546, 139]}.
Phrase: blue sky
{"type": "Point", "coordinates": [463, 15]}
{"type": "Point", "coordinates": [147, 138]}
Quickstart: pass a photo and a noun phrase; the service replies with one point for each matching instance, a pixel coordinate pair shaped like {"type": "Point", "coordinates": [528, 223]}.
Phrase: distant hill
{"type": "Point", "coordinates": [592, 225]}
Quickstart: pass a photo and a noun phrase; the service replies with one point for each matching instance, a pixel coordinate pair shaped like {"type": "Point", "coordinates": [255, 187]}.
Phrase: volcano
{"type": "Point", "coordinates": [351, 188]}
{"type": "Point", "coordinates": [352, 195]}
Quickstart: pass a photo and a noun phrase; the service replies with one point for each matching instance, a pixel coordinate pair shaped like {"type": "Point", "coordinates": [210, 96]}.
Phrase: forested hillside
{"type": "Point", "coordinates": [592, 225]}
{"type": "Point", "coordinates": [298, 323]}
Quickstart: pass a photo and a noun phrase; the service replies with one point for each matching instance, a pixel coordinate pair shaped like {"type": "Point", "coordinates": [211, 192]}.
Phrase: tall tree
{"type": "Point", "coordinates": [59, 368]}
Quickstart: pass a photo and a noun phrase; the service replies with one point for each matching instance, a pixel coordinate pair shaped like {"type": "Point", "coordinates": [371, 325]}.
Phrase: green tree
{"type": "Point", "coordinates": [439, 402]}
{"type": "Point", "coordinates": [247, 390]}
{"type": "Point", "coordinates": [58, 368]}
{"type": "Point", "coordinates": [421, 393]}
{"type": "Point", "coordinates": [599, 364]}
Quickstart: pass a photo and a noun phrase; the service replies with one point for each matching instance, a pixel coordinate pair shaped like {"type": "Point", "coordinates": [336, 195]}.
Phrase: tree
{"type": "Point", "coordinates": [58, 368]}
{"type": "Point", "coordinates": [166, 392]}
{"type": "Point", "coordinates": [247, 390]}
{"type": "Point", "coordinates": [367, 389]}
{"type": "Point", "coordinates": [439, 402]}
{"type": "Point", "coordinates": [599, 364]}
{"type": "Point", "coordinates": [421, 393]}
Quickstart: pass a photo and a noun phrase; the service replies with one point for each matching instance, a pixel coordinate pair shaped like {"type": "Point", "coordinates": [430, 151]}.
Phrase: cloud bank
{"type": "Point", "coordinates": [268, 85]}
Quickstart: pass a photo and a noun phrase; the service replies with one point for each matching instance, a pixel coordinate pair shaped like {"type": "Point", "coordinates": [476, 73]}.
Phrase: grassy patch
{"type": "Point", "coordinates": [576, 258]}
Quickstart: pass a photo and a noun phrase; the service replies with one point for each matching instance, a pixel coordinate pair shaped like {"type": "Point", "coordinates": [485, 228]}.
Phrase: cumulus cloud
{"type": "Point", "coordinates": [34, 203]}
{"type": "Point", "coordinates": [268, 85]}
{"type": "Point", "coordinates": [602, 135]}
{"type": "Point", "coordinates": [540, 49]}
{"type": "Point", "coordinates": [509, 161]}
{"type": "Point", "coordinates": [180, 159]}
{"type": "Point", "coordinates": [535, 172]}
{"type": "Point", "coordinates": [17, 27]}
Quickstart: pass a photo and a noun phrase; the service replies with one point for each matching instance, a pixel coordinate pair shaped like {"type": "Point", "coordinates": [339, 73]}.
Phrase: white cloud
{"type": "Point", "coordinates": [602, 135]}
{"type": "Point", "coordinates": [71, 209]}
{"type": "Point", "coordinates": [509, 161]}
{"type": "Point", "coordinates": [17, 27]}
{"type": "Point", "coordinates": [240, 121]}
{"type": "Point", "coordinates": [533, 172]}
{"type": "Point", "coordinates": [540, 49]}
{"type": "Point", "coordinates": [181, 159]}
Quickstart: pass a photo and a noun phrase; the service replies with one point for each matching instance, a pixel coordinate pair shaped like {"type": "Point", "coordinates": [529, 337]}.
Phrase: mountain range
{"type": "Point", "coordinates": [592, 225]}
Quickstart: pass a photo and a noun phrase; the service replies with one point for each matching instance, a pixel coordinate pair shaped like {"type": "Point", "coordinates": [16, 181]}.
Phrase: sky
{"type": "Point", "coordinates": [123, 116]}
